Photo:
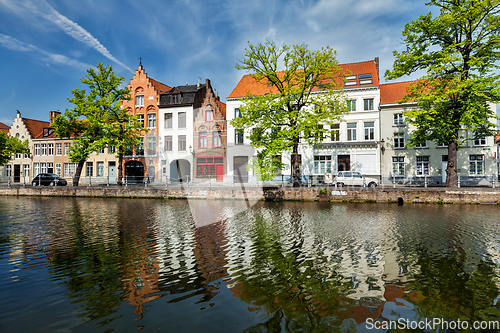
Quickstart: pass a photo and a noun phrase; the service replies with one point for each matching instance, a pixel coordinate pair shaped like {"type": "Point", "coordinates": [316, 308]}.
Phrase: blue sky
{"type": "Point", "coordinates": [46, 46]}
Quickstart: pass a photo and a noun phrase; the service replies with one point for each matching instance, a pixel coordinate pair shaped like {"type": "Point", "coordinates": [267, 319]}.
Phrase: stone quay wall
{"type": "Point", "coordinates": [400, 195]}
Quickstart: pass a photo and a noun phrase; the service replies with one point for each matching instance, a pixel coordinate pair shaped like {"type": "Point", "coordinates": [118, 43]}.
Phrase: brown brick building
{"type": "Point", "coordinates": [145, 93]}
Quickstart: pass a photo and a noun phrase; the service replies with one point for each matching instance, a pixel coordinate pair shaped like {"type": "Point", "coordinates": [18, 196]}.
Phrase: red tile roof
{"type": "Point", "coordinates": [160, 87]}
{"type": "Point", "coordinates": [393, 92]}
{"type": "Point", "coordinates": [249, 84]}
{"type": "Point", "coordinates": [35, 127]}
{"type": "Point", "coordinates": [4, 128]}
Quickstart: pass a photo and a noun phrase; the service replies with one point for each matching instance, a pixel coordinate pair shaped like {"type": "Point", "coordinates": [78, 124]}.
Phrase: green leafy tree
{"type": "Point", "coordinates": [123, 131]}
{"type": "Point", "coordinates": [97, 120]}
{"type": "Point", "coordinates": [458, 49]}
{"type": "Point", "coordinates": [9, 146]}
{"type": "Point", "coordinates": [293, 110]}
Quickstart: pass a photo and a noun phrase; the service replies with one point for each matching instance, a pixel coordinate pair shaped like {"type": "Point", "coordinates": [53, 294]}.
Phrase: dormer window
{"type": "Point", "coordinates": [351, 80]}
{"type": "Point", "coordinates": [365, 78]}
{"type": "Point", "coordinates": [176, 98]}
{"type": "Point", "coordinates": [47, 132]}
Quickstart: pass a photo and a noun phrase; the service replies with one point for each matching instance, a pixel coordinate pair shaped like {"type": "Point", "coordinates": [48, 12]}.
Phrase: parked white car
{"type": "Point", "coordinates": [353, 178]}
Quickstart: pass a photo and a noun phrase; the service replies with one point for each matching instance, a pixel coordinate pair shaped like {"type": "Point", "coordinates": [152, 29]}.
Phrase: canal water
{"type": "Point", "coordinates": [125, 265]}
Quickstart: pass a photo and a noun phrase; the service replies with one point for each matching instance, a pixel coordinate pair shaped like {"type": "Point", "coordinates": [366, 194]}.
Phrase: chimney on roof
{"type": "Point", "coordinates": [198, 85]}
{"type": "Point", "coordinates": [377, 62]}
{"type": "Point", "coordinates": [53, 115]}
{"type": "Point", "coordinates": [18, 114]}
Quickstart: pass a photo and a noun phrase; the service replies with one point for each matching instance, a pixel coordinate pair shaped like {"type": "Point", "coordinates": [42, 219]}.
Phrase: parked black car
{"type": "Point", "coordinates": [48, 179]}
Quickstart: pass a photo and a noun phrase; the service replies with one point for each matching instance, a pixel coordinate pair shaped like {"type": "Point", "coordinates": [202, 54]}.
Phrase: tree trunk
{"type": "Point", "coordinates": [120, 169]}
{"type": "Point", "coordinates": [295, 164]}
{"type": "Point", "coordinates": [78, 172]}
{"type": "Point", "coordinates": [451, 168]}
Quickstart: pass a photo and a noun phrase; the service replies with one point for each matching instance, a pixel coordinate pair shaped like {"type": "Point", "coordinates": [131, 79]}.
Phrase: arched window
{"type": "Point", "coordinates": [209, 114]}
{"type": "Point", "coordinates": [217, 134]}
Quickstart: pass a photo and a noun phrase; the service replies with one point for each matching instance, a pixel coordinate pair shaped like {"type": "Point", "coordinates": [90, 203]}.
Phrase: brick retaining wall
{"type": "Point", "coordinates": [433, 195]}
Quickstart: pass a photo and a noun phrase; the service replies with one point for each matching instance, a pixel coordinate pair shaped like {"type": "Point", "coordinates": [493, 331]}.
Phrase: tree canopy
{"type": "Point", "coordinates": [9, 146]}
{"type": "Point", "coordinates": [97, 120]}
{"type": "Point", "coordinates": [458, 49]}
{"type": "Point", "coordinates": [302, 97]}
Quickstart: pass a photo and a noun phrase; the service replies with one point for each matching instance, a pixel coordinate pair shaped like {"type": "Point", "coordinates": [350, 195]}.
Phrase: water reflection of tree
{"type": "Point", "coordinates": [448, 287]}
{"type": "Point", "coordinates": [90, 270]}
{"type": "Point", "coordinates": [299, 289]}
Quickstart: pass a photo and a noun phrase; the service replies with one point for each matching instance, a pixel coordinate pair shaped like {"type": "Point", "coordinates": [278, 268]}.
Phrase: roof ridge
{"type": "Point", "coordinates": [398, 82]}
{"type": "Point", "coordinates": [40, 121]}
{"type": "Point", "coordinates": [357, 62]}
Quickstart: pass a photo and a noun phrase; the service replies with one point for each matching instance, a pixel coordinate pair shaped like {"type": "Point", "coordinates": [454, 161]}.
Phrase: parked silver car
{"type": "Point", "coordinates": [353, 178]}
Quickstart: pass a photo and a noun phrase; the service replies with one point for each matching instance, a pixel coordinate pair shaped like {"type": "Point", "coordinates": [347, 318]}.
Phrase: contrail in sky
{"type": "Point", "coordinates": [43, 9]}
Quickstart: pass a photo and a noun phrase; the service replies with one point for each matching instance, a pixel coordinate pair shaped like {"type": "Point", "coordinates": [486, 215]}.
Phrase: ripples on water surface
{"type": "Point", "coordinates": [83, 265]}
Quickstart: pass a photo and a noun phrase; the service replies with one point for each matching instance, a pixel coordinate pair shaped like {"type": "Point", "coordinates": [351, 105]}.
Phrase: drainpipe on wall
{"type": "Point", "coordinates": [380, 139]}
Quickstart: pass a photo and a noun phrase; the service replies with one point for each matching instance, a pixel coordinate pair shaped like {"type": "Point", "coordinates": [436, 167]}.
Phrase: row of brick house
{"type": "Point", "coordinates": [190, 138]}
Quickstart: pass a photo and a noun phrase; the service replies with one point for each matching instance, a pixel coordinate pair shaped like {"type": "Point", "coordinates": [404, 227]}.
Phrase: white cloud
{"type": "Point", "coordinates": [16, 45]}
{"type": "Point", "coordinates": [43, 9]}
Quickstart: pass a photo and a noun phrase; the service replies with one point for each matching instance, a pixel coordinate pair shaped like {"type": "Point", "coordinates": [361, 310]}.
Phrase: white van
{"type": "Point", "coordinates": [353, 178]}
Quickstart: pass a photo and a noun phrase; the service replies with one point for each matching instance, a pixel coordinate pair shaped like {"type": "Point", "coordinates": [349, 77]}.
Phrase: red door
{"type": "Point", "coordinates": [219, 172]}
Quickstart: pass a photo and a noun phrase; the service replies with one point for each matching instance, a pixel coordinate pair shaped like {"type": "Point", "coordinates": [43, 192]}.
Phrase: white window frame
{"type": "Point", "coordinates": [322, 164]}
{"type": "Point", "coordinates": [398, 166]}
{"type": "Point", "coordinates": [50, 149]}
{"type": "Point", "coordinates": [89, 169]}
{"type": "Point", "coordinates": [239, 137]}
{"type": "Point", "coordinates": [369, 104]}
{"type": "Point", "coordinates": [100, 169]}
{"type": "Point", "coordinates": [369, 130]}
{"type": "Point", "coordinates": [139, 100]}
{"type": "Point", "coordinates": [26, 170]}
{"type": "Point", "coordinates": [70, 169]}
{"type": "Point", "coordinates": [398, 119]}
{"type": "Point", "coordinates": [476, 165]}
{"type": "Point", "coordinates": [58, 169]}
{"type": "Point", "coordinates": [151, 120]}
{"type": "Point", "coordinates": [352, 131]}
{"type": "Point", "coordinates": [480, 142]}
{"type": "Point", "coordinates": [37, 149]}
{"type": "Point", "coordinates": [399, 140]}
{"type": "Point", "coordinates": [58, 149]}
{"type": "Point", "coordinates": [423, 163]}
{"type": "Point", "coordinates": [351, 105]}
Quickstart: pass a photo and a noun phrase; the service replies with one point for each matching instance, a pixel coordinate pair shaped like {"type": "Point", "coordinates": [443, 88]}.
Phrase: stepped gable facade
{"type": "Point", "coordinates": [145, 96]}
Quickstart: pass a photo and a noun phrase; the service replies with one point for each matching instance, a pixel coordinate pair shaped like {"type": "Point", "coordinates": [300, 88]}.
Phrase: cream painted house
{"type": "Point", "coordinates": [477, 159]}
{"type": "Point", "coordinates": [354, 146]}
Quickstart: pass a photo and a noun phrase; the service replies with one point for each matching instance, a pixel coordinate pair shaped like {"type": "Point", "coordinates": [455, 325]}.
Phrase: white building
{"type": "Point", "coordinates": [354, 146]}
{"type": "Point", "coordinates": [476, 159]}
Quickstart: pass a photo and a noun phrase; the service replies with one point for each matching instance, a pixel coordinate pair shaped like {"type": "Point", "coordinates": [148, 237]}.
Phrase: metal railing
{"type": "Point", "coordinates": [306, 181]}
